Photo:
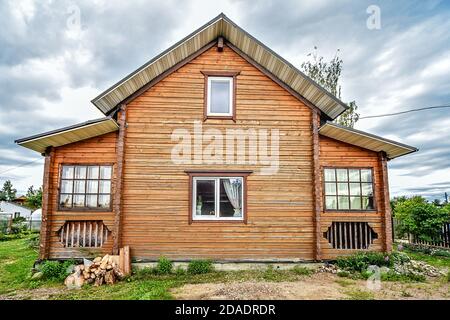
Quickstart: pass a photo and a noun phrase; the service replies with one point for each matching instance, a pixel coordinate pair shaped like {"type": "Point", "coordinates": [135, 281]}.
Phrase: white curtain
{"type": "Point", "coordinates": [233, 191]}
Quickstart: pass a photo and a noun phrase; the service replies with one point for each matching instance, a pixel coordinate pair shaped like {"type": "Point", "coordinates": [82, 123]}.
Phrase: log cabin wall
{"type": "Point", "coordinates": [334, 153]}
{"type": "Point", "coordinates": [98, 150]}
{"type": "Point", "coordinates": [156, 192]}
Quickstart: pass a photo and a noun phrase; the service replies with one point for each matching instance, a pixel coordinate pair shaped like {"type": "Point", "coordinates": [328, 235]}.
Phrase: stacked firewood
{"type": "Point", "coordinates": [103, 270]}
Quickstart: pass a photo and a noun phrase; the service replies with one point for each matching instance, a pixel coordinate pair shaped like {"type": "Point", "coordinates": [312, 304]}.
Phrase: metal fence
{"type": "Point", "coordinates": [7, 224]}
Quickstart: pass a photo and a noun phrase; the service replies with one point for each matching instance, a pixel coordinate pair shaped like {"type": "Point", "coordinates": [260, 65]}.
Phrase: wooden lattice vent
{"type": "Point", "coordinates": [84, 234]}
{"type": "Point", "coordinates": [350, 235]}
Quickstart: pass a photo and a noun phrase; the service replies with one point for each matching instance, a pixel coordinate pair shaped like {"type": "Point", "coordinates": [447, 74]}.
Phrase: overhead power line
{"type": "Point", "coordinates": [403, 112]}
{"type": "Point", "coordinates": [20, 165]}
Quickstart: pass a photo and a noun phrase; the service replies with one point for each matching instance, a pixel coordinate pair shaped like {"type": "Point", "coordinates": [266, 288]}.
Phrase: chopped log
{"type": "Point", "coordinates": [109, 277]}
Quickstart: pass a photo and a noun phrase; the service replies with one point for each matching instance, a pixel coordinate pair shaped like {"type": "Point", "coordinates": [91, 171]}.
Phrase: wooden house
{"type": "Point", "coordinates": [161, 174]}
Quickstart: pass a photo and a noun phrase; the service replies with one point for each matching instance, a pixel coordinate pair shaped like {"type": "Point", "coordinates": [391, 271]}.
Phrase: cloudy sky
{"type": "Point", "coordinates": [55, 56]}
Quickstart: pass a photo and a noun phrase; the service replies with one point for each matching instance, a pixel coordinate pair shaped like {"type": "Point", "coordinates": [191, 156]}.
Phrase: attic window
{"type": "Point", "coordinates": [220, 95]}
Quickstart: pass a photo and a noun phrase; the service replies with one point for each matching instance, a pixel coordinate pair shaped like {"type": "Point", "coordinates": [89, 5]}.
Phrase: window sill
{"type": "Point", "coordinates": [243, 221]}
{"type": "Point", "coordinates": [350, 211]}
{"type": "Point", "coordinates": [219, 118]}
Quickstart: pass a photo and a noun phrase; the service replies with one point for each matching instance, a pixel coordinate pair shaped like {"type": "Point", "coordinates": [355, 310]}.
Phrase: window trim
{"type": "Point", "coordinates": [348, 210]}
{"type": "Point", "coordinates": [196, 174]}
{"type": "Point", "coordinates": [83, 209]}
{"type": "Point", "coordinates": [206, 95]}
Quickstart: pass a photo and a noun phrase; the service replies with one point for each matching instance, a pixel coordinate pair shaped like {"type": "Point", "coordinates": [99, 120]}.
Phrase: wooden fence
{"type": "Point", "coordinates": [442, 241]}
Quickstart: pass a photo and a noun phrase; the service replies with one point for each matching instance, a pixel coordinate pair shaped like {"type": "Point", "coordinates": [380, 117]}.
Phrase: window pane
{"type": "Point", "coordinates": [92, 186]}
{"type": "Point", "coordinates": [105, 187]}
{"type": "Point", "coordinates": [205, 202]}
{"type": "Point", "coordinates": [367, 189]}
{"type": "Point", "coordinates": [355, 189]}
{"type": "Point", "coordinates": [355, 203]}
{"type": "Point", "coordinates": [367, 203]}
{"type": "Point", "coordinates": [78, 200]}
{"type": "Point", "coordinates": [366, 175]}
{"type": "Point", "coordinates": [65, 200]}
{"type": "Point", "coordinates": [91, 201]}
{"type": "Point", "coordinates": [105, 172]}
{"type": "Point", "coordinates": [66, 186]}
{"type": "Point", "coordinates": [330, 202]}
{"type": "Point", "coordinates": [341, 174]}
{"type": "Point", "coordinates": [342, 189]}
{"type": "Point", "coordinates": [330, 175]}
{"type": "Point", "coordinates": [67, 172]}
{"type": "Point", "coordinates": [93, 172]}
{"type": "Point", "coordinates": [343, 203]}
{"type": "Point", "coordinates": [330, 188]}
{"type": "Point", "coordinates": [80, 172]}
{"type": "Point", "coordinates": [220, 96]}
{"type": "Point", "coordinates": [79, 186]}
{"type": "Point", "coordinates": [353, 175]}
{"type": "Point", "coordinates": [230, 197]}
{"type": "Point", "coordinates": [104, 201]}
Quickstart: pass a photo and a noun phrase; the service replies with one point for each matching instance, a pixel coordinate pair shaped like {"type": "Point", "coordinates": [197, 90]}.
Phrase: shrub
{"type": "Point", "coordinates": [179, 271]}
{"type": "Point", "coordinates": [164, 266]}
{"type": "Point", "coordinates": [361, 260]}
{"type": "Point", "coordinates": [448, 276]}
{"type": "Point", "coordinates": [200, 266]}
{"type": "Point", "coordinates": [304, 271]}
{"type": "Point", "coordinates": [56, 270]}
{"type": "Point", "coordinates": [343, 274]}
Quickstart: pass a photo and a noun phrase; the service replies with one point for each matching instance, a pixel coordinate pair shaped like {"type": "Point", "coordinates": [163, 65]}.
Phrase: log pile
{"type": "Point", "coordinates": [102, 270]}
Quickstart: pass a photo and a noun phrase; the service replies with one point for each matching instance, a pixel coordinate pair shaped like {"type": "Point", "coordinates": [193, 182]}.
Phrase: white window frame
{"type": "Point", "coordinates": [230, 106]}
{"type": "Point", "coordinates": [216, 180]}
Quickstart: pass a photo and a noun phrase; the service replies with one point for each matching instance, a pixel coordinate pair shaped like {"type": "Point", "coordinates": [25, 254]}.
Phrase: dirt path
{"type": "Point", "coordinates": [33, 294]}
{"type": "Point", "coordinates": [321, 286]}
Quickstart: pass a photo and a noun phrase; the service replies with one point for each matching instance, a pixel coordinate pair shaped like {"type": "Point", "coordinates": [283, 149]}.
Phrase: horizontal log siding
{"type": "Point", "coordinates": [100, 149]}
{"type": "Point", "coordinates": [155, 191]}
{"type": "Point", "coordinates": [340, 154]}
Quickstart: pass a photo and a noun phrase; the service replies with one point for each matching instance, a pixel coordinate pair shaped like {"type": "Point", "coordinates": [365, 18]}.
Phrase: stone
{"type": "Point", "coordinates": [37, 276]}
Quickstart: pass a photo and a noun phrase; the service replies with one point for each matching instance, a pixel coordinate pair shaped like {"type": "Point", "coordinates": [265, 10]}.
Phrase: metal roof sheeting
{"type": "Point", "coordinates": [221, 26]}
{"type": "Point", "coordinates": [66, 135]}
{"type": "Point", "coordinates": [365, 140]}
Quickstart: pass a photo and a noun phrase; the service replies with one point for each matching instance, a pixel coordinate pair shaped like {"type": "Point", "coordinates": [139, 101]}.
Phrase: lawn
{"type": "Point", "coordinates": [17, 258]}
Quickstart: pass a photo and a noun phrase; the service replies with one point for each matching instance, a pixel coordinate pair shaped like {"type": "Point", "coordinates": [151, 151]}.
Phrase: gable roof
{"type": "Point", "coordinates": [239, 38]}
{"type": "Point", "coordinates": [365, 140]}
{"type": "Point", "coordinates": [70, 134]}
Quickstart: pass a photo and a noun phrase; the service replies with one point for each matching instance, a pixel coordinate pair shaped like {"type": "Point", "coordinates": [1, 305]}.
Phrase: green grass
{"type": "Point", "coordinates": [357, 294]}
{"type": "Point", "coordinates": [17, 258]}
{"type": "Point", "coordinates": [436, 261]}
{"type": "Point", "coordinates": [16, 261]}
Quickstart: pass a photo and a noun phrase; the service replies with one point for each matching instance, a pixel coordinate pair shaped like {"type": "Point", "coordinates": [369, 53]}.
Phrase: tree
{"type": "Point", "coordinates": [327, 74]}
{"type": "Point", "coordinates": [8, 193]}
{"type": "Point", "coordinates": [33, 198]}
{"type": "Point", "coordinates": [421, 219]}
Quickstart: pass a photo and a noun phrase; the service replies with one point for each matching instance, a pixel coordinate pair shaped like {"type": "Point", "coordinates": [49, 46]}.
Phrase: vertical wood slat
{"type": "Point", "coordinates": [350, 235]}
{"type": "Point", "coordinates": [76, 234]}
{"type": "Point", "coordinates": [101, 234]}
{"type": "Point", "coordinates": [345, 234]}
{"type": "Point", "coordinates": [84, 234]}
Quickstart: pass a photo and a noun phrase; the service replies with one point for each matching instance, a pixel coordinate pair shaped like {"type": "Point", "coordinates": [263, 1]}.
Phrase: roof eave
{"type": "Point", "coordinates": [408, 149]}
